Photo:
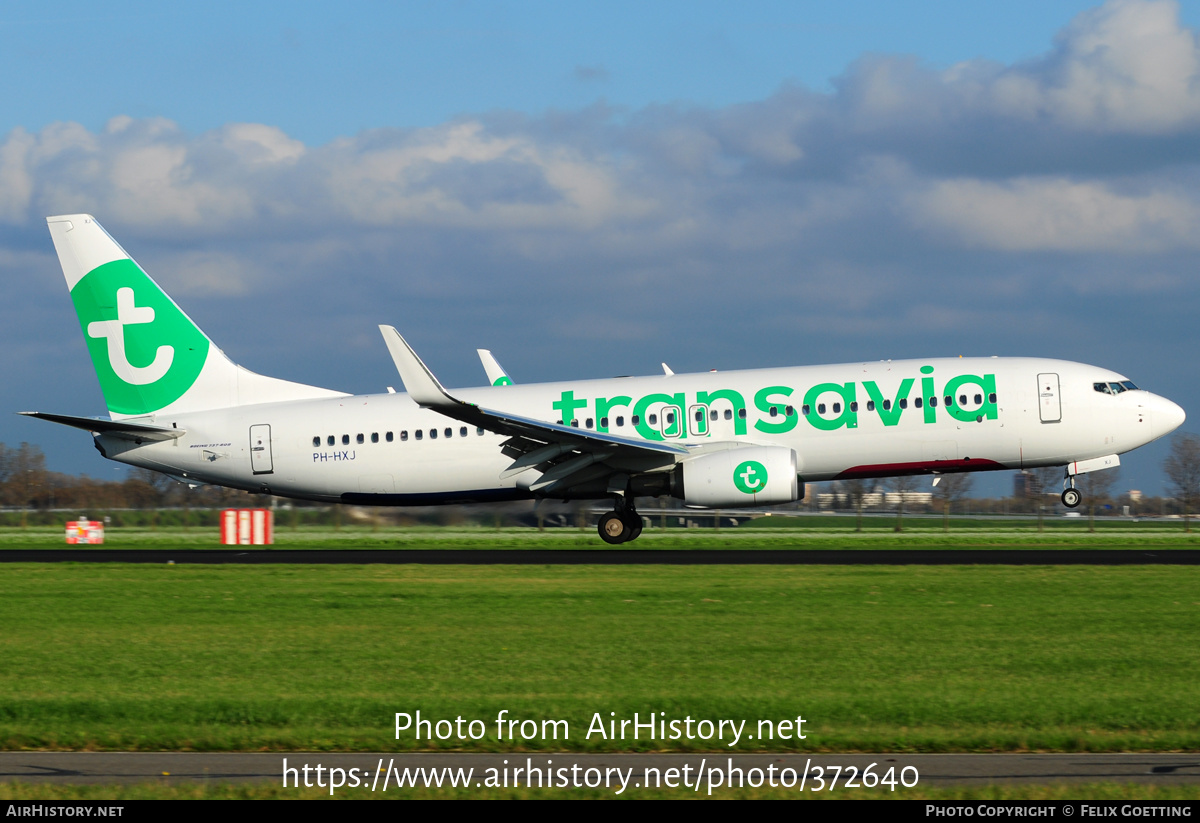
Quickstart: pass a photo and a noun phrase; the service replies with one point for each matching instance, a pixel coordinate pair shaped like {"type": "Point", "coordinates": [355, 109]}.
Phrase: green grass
{"type": "Point", "coordinates": [150, 657]}
{"type": "Point", "coordinates": [777, 532]}
{"type": "Point", "coordinates": [272, 791]}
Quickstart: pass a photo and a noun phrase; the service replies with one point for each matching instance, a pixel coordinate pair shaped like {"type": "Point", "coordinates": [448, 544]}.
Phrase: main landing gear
{"type": "Point", "coordinates": [620, 525]}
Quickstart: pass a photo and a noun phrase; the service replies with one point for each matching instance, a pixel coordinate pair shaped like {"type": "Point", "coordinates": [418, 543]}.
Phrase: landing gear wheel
{"type": "Point", "coordinates": [1071, 498]}
{"type": "Point", "coordinates": [633, 522]}
{"type": "Point", "coordinates": [612, 528]}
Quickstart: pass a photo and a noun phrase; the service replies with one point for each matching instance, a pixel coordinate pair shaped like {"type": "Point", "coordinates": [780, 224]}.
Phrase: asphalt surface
{"type": "Point", "coordinates": [926, 770]}
{"type": "Point", "coordinates": [608, 557]}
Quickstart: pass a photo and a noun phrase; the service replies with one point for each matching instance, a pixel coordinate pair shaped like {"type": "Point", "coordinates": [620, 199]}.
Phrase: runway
{"type": "Point", "coordinates": [611, 557]}
{"type": "Point", "coordinates": [926, 770]}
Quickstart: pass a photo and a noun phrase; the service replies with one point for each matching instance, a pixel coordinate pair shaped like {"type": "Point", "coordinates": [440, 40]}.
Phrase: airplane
{"type": "Point", "coordinates": [178, 405]}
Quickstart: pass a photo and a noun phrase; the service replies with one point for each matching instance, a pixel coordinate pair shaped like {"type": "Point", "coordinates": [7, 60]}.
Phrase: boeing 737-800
{"type": "Point", "coordinates": [178, 405]}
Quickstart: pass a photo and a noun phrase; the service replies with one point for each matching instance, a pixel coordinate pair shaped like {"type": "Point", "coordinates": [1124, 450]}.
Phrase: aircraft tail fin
{"type": "Point", "coordinates": [149, 356]}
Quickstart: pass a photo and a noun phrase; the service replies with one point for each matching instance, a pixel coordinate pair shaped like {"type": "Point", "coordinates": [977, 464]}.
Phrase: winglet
{"type": "Point", "coordinates": [418, 380]}
{"type": "Point", "coordinates": [495, 372]}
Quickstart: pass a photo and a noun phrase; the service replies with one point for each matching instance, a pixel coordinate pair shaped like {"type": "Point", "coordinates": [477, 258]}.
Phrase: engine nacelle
{"type": "Point", "coordinates": [756, 476]}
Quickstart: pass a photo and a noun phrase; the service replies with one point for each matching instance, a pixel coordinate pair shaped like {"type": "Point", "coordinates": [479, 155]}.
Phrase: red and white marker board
{"type": "Point", "coordinates": [247, 527]}
{"type": "Point", "coordinates": [84, 531]}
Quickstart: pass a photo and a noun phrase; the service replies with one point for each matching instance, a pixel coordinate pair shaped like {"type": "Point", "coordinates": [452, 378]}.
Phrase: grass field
{"type": "Point", "coordinates": [271, 791]}
{"type": "Point", "coordinates": [791, 532]}
{"type": "Point", "coordinates": [875, 658]}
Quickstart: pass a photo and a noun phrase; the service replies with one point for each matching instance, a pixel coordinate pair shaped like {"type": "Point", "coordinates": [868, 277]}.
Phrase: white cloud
{"type": "Point", "coordinates": [1058, 214]}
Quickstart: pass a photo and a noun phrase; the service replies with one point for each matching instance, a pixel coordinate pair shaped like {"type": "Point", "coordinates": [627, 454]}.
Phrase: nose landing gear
{"type": "Point", "coordinates": [1071, 496]}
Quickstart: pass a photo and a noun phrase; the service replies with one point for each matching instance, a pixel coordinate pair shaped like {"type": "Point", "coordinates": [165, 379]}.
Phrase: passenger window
{"type": "Point", "coordinates": [635, 419]}
{"type": "Point", "coordinates": [403, 435]}
{"type": "Point", "coordinates": [330, 441]}
{"type": "Point", "coordinates": [588, 422]}
{"type": "Point", "coordinates": [374, 437]}
{"type": "Point", "coordinates": [949, 400]}
{"type": "Point", "coordinates": [933, 402]}
{"type": "Point", "coordinates": [575, 423]}
{"type": "Point", "coordinates": [789, 411]}
{"type": "Point", "coordinates": [853, 405]}
{"type": "Point", "coordinates": [448, 432]}
{"type": "Point", "coordinates": [620, 421]}
{"type": "Point", "coordinates": [837, 408]}
{"type": "Point", "coordinates": [887, 405]}
{"type": "Point", "coordinates": [433, 434]}
{"type": "Point", "coordinates": [979, 400]}
{"type": "Point", "coordinates": [604, 422]}
{"type": "Point", "coordinates": [715, 415]}
{"type": "Point", "coordinates": [742, 414]}
{"type": "Point", "coordinates": [479, 431]}
{"type": "Point", "coordinates": [729, 414]}
{"type": "Point", "coordinates": [388, 437]}
{"type": "Point", "coordinates": [917, 401]}
{"type": "Point", "coordinates": [359, 439]}
{"type": "Point", "coordinates": [805, 409]}
{"type": "Point", "coordinates": [699, 415]}
{"type": "Point", "coordinates": [670, 417]}
{"type": "Point", "coordinates": [820, 408]}
{"type": "Point", "coordinates": [904, 402]}
{"type": "Point", "coordinates": [653, 419]}
{"type": "Point", "coordinates": [774, 412]}
{"type": "Point", "coordinates": [345, 440]}
{"type": "Point", "coordinates": [316, 441]}
{"type": "Point", "coordinates": [870, 405]}
{"type": "Point", "coordinates": [992, 397]}
{"type": "Point", "coordinates": [419, 434]}
{"type": "Point", "coordinates": [962, 400]}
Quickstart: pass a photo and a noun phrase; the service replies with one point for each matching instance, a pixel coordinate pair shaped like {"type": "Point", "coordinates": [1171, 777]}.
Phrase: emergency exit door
{"type": "Point", "coordinates": [1049, 405]}
{"type": "Point", "coordinates": [260, 449]}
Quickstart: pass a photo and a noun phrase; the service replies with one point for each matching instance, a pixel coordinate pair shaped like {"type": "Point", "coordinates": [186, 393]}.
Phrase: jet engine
{"type": "Point", "coordinates": [756, 476]}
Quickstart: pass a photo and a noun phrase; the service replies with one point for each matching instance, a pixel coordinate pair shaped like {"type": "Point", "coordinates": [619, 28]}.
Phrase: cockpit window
{"type": "Point", "coordinates": [1115, 388]}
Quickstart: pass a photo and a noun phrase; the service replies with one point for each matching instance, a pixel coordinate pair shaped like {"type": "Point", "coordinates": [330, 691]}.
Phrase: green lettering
{"type": "Point", "coordinates": [639, 411]}
{"type": "Point", "coordinates": [735, 399]}
{"type": "Point", "coordinates": [847, 418]}
{"type": "Point", "coordinates": [567, 406]}
{"type": "Point", "coordinates": [987, 383]}
{"type": "Point", "coordinates": [762, 400]}
{"type": "Point", "coordinates": [604, 404]}
{"type": "Point", "coordinates": [890, 417]}
{"type": "Point", "coordinates": [929, 393]}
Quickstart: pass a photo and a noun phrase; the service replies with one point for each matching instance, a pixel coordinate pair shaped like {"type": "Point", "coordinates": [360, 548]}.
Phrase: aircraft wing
{"type": "Point", "coordinates": [565, 454]}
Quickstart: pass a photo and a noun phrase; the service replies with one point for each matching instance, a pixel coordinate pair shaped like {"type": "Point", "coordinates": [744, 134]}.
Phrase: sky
{"type": "Point", "coordinates": [589, 189]}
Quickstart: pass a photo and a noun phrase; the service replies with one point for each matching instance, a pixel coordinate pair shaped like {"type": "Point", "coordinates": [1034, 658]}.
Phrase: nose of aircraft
{"type": "Point", "coordinates": [1165, 416]}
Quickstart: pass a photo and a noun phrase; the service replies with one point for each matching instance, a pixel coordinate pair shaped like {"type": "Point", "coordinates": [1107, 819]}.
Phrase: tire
{"type": "Point", "coordinates": [612, 528]}
{"type": "Point", "coordinates": [633, 522]}
{"type": "Point", "coordinates": [1071, 498]}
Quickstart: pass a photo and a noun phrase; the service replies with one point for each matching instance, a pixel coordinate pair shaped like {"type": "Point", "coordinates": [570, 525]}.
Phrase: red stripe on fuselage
{"type": "Point", "coordinates": [966, 464]}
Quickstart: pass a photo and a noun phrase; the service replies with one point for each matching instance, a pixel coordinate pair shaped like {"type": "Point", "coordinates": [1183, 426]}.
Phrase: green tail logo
{"type": "Point", "coordinates": [146, 352]}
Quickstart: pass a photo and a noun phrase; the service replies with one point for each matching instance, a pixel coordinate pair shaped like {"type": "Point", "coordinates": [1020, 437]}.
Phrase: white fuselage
{"type": "Point", "coordinates": [861, 419]}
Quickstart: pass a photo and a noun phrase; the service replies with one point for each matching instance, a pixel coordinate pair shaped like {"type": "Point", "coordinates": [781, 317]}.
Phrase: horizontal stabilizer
{"type": "Point", "coordinates": [116, 428]}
